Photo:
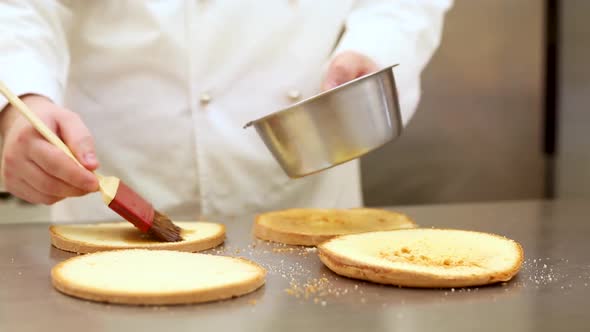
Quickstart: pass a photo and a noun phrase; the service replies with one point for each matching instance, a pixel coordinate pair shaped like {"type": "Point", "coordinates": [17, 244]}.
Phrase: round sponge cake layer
{"type": "Point", "coordinates": [145, 277]}
{"type": "Point", "coordinates": [424, 257]}
{"type": "Point", "coordinates": [313, 226]}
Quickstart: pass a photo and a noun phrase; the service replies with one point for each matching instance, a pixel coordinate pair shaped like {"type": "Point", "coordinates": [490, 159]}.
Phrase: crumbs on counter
{"type": "Point", "coordinates": [319, 286]}
{"type": "Point", "coordinates": [319, 290]}
{"type": "Point", "coordinates": [296, 250]}
{"type": "Point", "coordinates": [283, 249]}
{"type": "Point", "coordinates": [541, 271]}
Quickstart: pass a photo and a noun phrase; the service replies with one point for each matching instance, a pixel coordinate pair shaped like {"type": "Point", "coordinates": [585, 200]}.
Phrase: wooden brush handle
{"type": "Point", "coordinates": [48, 134]}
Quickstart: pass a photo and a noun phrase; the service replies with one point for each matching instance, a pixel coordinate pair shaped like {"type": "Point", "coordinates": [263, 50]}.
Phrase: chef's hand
{"type": "Point", "coordinates": [36, 171]}
{"type": "Point", "coordinates": [347, 66]}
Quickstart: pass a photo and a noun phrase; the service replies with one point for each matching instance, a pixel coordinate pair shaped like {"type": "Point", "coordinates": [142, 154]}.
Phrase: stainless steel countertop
{"type": "Point", "coordinates": [551, 293]}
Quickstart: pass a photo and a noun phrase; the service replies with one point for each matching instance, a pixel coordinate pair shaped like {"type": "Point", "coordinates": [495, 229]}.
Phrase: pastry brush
{"type": "Point", "coordinates": [115, 193]}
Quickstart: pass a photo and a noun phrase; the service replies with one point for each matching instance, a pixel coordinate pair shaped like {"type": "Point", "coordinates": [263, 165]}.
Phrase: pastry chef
{"type": "Point", "coordinates": [157, 93]}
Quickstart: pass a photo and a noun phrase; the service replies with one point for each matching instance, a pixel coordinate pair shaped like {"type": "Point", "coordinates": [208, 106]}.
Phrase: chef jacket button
{"type": "Point", "coordinates": [294, 95]}
{"type": "Point", "coordinates": [205, 98]}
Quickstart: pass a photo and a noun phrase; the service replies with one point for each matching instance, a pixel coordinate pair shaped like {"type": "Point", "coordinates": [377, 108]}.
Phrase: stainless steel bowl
{"type": "Point", "coordinates": [335, 126]}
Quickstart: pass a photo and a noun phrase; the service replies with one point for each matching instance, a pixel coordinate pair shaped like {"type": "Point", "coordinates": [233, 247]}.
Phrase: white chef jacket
{"type": "Point", "coordinates": [165, 87]}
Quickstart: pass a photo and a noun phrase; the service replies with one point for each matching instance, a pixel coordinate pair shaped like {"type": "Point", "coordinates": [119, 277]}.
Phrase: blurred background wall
{"type": "Point", "coordinates": [478, 132]}
{"type": "Point", "coordinates": [573, 162]}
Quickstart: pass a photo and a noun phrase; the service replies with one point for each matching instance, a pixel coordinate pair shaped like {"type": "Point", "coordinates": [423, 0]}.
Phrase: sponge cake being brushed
{"type": "Point", "coordinates": [87, 238]}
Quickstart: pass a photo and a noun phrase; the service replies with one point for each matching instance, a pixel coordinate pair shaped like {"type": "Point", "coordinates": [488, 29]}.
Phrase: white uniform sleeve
{"type": "Point", "coordinates": [34, 55]}
{"type": "Point", "coordinates": [404, 32]}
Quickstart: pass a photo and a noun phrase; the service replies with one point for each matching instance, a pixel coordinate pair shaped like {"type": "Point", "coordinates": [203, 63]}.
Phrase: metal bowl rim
{"type": "Point", "coordinates": [312, 98]}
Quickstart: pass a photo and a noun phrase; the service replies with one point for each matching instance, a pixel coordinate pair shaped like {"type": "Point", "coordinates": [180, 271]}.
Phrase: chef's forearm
{"type": "Point", "coordinates": [7, 117]}
{"type": "Point", "coordinates": [395, 30]}
{"type": "Point", "coordinates": [404, 32]}
{"type": "Point", "coordinates": [9, 113]}
{"type": "Point", "coordinates": [34, 56]}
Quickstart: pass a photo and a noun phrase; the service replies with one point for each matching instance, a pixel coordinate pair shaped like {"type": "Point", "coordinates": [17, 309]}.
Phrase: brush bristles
{"type": "Point", "coordinates": [164, 229]}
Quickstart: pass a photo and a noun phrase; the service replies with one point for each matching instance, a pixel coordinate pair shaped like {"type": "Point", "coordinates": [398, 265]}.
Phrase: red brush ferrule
{"type": "Point", "coordinates": [133, 208]}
